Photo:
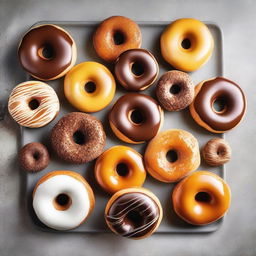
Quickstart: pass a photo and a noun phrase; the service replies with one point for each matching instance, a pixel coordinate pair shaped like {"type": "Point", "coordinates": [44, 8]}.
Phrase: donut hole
{"type": "Point", "coordinates": [175, 89]}
{"type": "Point", "coordinates": [172, 156]}
{"type": "Point", "coordinates": [79, 137]}
{"type": "Point", "coordinates": [90, 87]}
{"type": "Point", "coordinates": [203, 197]}
{"type": "Point", "coordinates": [62, 202]}
{"type": "Point", "coordinates": [33, 104]}
{"type": "Point", "coordinates": [186, 44]}
{"type": "Point", "coordinates": [219, 105]}
{"type": "Point", "coordinates": [136, 117]}
{"type": "Point", "coordinates": [137, 68]}
{"type": "Point", "coordinates": [118, 37]}
{"type": "Point", "coordinates": [46, 52]}
{"type": "Point", "coordinates": [221, 151]}
{"type": "Point", "coordinates": [122, 169]}
{"type": "Point", "coordinates": [36, 155]}
{"type": "Point", "coordinates": [134, 218]}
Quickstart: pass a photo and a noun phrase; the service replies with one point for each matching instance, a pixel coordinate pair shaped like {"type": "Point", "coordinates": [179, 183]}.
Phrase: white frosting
{"type": "Point", "coordinates": [47, 191]}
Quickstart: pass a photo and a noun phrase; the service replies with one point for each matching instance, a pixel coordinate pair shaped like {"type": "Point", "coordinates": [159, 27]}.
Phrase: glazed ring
{"type": "Point", "coordinates": [175, 90]}
{"type": "Point", "coordinates": [187, 44]}
{"type": "Point", "coordinates": [136, 118]}
{"type": "Point", "coordinates": [230, 100]}
{"type": "Point", "coordinates": [34, 157]}
{"type": "Point", "coordinates": [216, 152]}
{"type": "Point", "coordinates": [171, 155]}
{"type": "Point", "coordinates": [133, 213]}
{"type": "Point", "coordinates": [114, 36]}
{"type": "Point", "coordinates": [63, 200]}
{"type": "Point", "coordinates": [47, 52]}
{"type": "Point", "coordinates": [201, 198]}
{"type": "Point", "coordinates": [118, 168]}
{"type": "Point", "coordinates": [89, 86]}
{"type": "Point", "coordinates": [78, 138]}
{"type": "Point", "coordinates": [136, 69]}
{"type": "Point", "coordinates": [33, 104]}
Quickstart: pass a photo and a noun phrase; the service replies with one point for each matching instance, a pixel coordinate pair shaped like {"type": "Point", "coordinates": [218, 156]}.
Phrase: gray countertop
{"type": "Point", "coordinates": [237, 235]}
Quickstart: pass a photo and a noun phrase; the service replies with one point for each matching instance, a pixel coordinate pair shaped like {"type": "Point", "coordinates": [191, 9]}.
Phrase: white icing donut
{"type": "Point", "coordinates": [44, 95]}
{"type": "Point", "coordinates": [46, 193]}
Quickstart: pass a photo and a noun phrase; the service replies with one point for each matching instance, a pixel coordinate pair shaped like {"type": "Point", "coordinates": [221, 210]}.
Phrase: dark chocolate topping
{"type": "Point", "coordinates": [133, 214]}
{"type": "Point", "coordinates": [123, 69]}
{"type": "Point", "coordinates": [227, 91]}
{"type": "Point", "coordinates": [149, 109]}
{"type": "Point", "coordinates": [38, 38]}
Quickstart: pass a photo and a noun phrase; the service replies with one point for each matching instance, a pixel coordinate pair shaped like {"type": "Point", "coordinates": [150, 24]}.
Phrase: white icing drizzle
{"type": "Point", "coordinates": [20, 97]}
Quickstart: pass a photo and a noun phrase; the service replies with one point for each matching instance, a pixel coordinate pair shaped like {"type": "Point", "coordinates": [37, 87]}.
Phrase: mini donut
{"type": "Point", "coordinates": [63, 200]}
{"type": "Point", "coordinates": [89, 86]}
{"type": "Point", "coordinates": [171, 155]}
{"type": "Point", "coordinates": [34, 157]}
{"type": "Point", "coordinates": [136, 69]}
{"type": "Point", "coordinates": [114, 36]}
{"type": "Point", "coordinates": [216, 152]}
{"type": "Point", "coordinates": [33, 104]}
{"type": "Point", "coordinates": [187, 44]}
{"type": "Point", "coordinates": [78, 138]}
{"type": "Point", "coordinates": [60, 46]}
{"type": "Point", "coordinates": [133, 213]}
{"type": "Point", "coordinates": [232, 103]}
{"type": "Point", "coordinates": [201, 198]}
{"type": "Point", "coordinates": [118, 168]}
{"type": "Point", "coordinates": [135, 118]}
{"type": "Point", "coordinates": [175, 90]}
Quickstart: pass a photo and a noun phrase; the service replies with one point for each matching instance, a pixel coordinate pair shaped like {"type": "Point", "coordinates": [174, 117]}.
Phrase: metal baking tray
{"type": "Point", "coordinates": [82, 33]}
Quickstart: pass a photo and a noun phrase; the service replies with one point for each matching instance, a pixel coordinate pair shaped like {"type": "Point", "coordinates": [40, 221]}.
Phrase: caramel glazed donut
{"type": "Point", "coordinates": [33, 104]}
{"type": "Point", "coordinates": [59, 59]}
{"type": "Point", "coordinates": [231, 100]}
{"type": "Point", "coordinates": [78, 138]}
{"type": "Point", "coordinates": [201, 198]}
{"type": "Point", "coordinates": [133, 213]}
{"type": "Point", "coordinates": [136, 69]}
{"type": "Point", "coordinates": [63, 200]}
{"type": "Point", "coordinates": [114, 36]}
{"type": "Point", "coordinates": [136, 118]}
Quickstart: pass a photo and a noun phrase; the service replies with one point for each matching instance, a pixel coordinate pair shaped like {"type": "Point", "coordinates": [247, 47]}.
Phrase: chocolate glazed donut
{"type": "Point", "coordinates": [136, 118]}
{"type": "Point", "coordinates": [61, 49]}
{"type": "Point", "coordinates": [136, 69]}
{"type": "Point", "coordinates": [229, 95]}
{"type": "Point", "coordinates": [133, 215]}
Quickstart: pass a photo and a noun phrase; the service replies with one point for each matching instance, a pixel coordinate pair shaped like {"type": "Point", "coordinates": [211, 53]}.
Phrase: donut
{"type": "Point", "coordinates": [114, 36]}
{"type": "Point", "coordinates": [136, 69]}
{"type": "Point", "coordinates": [134, 213]}
{"type": "Point", "coordinates": [135, 118]}
{"type": "Point", "coordinates": [216, 152]}
{"type": "Point", "coordinates": [33, 104]}
{"type": "Point", "coordinates": [230, 100]}
{"type": "Point", "coordinates": [63, 200]}
{"type": "Point", "coordinates": [186, 44]}
{"type": "Point", "coordinates": [175, 90]}
{"type": "Point", "coordinates": [34, 157]}
{"type": "Point", "coordinates": [171, 155]}
{"type": "Point", "coordinates": [78, 138]}
{"type": "Point", "coordinates": [47, 52]}
{"type": "Point", "coordinates": [89, 86]}
{"type": "Point", "coordinates": [201, 198]}
{"type": "Point", "coordinates": [118, 168]}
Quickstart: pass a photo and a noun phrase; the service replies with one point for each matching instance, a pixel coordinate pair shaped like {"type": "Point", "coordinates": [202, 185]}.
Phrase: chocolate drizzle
{"type": "Point", "coordinates": [39, 37]}
{"type": "Point", "coordinates": [133, 215]}
{"type": "Point", "coordinates": [230, 93]}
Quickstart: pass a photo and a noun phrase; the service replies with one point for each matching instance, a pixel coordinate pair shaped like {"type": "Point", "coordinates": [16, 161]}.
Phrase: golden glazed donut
{"type": "Point", "coordinates": [120, 167]}
{"type": "Point", "coordinates": [47, 52]}
{"type": "Point", "coordinates": [89, 86]}
{"type": "Point", "coordinates": [219, 104]}
{"type": "Point", "coordinates": [171, 155]}
{"type": "Point", "coordinates": [114, 36]}
{"type": "Point", "coordinates": [201, 198]}
{"type": "Point", "coordinates": [33, 104]}
{"type": "Point", "coordinates": [187, 44]}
